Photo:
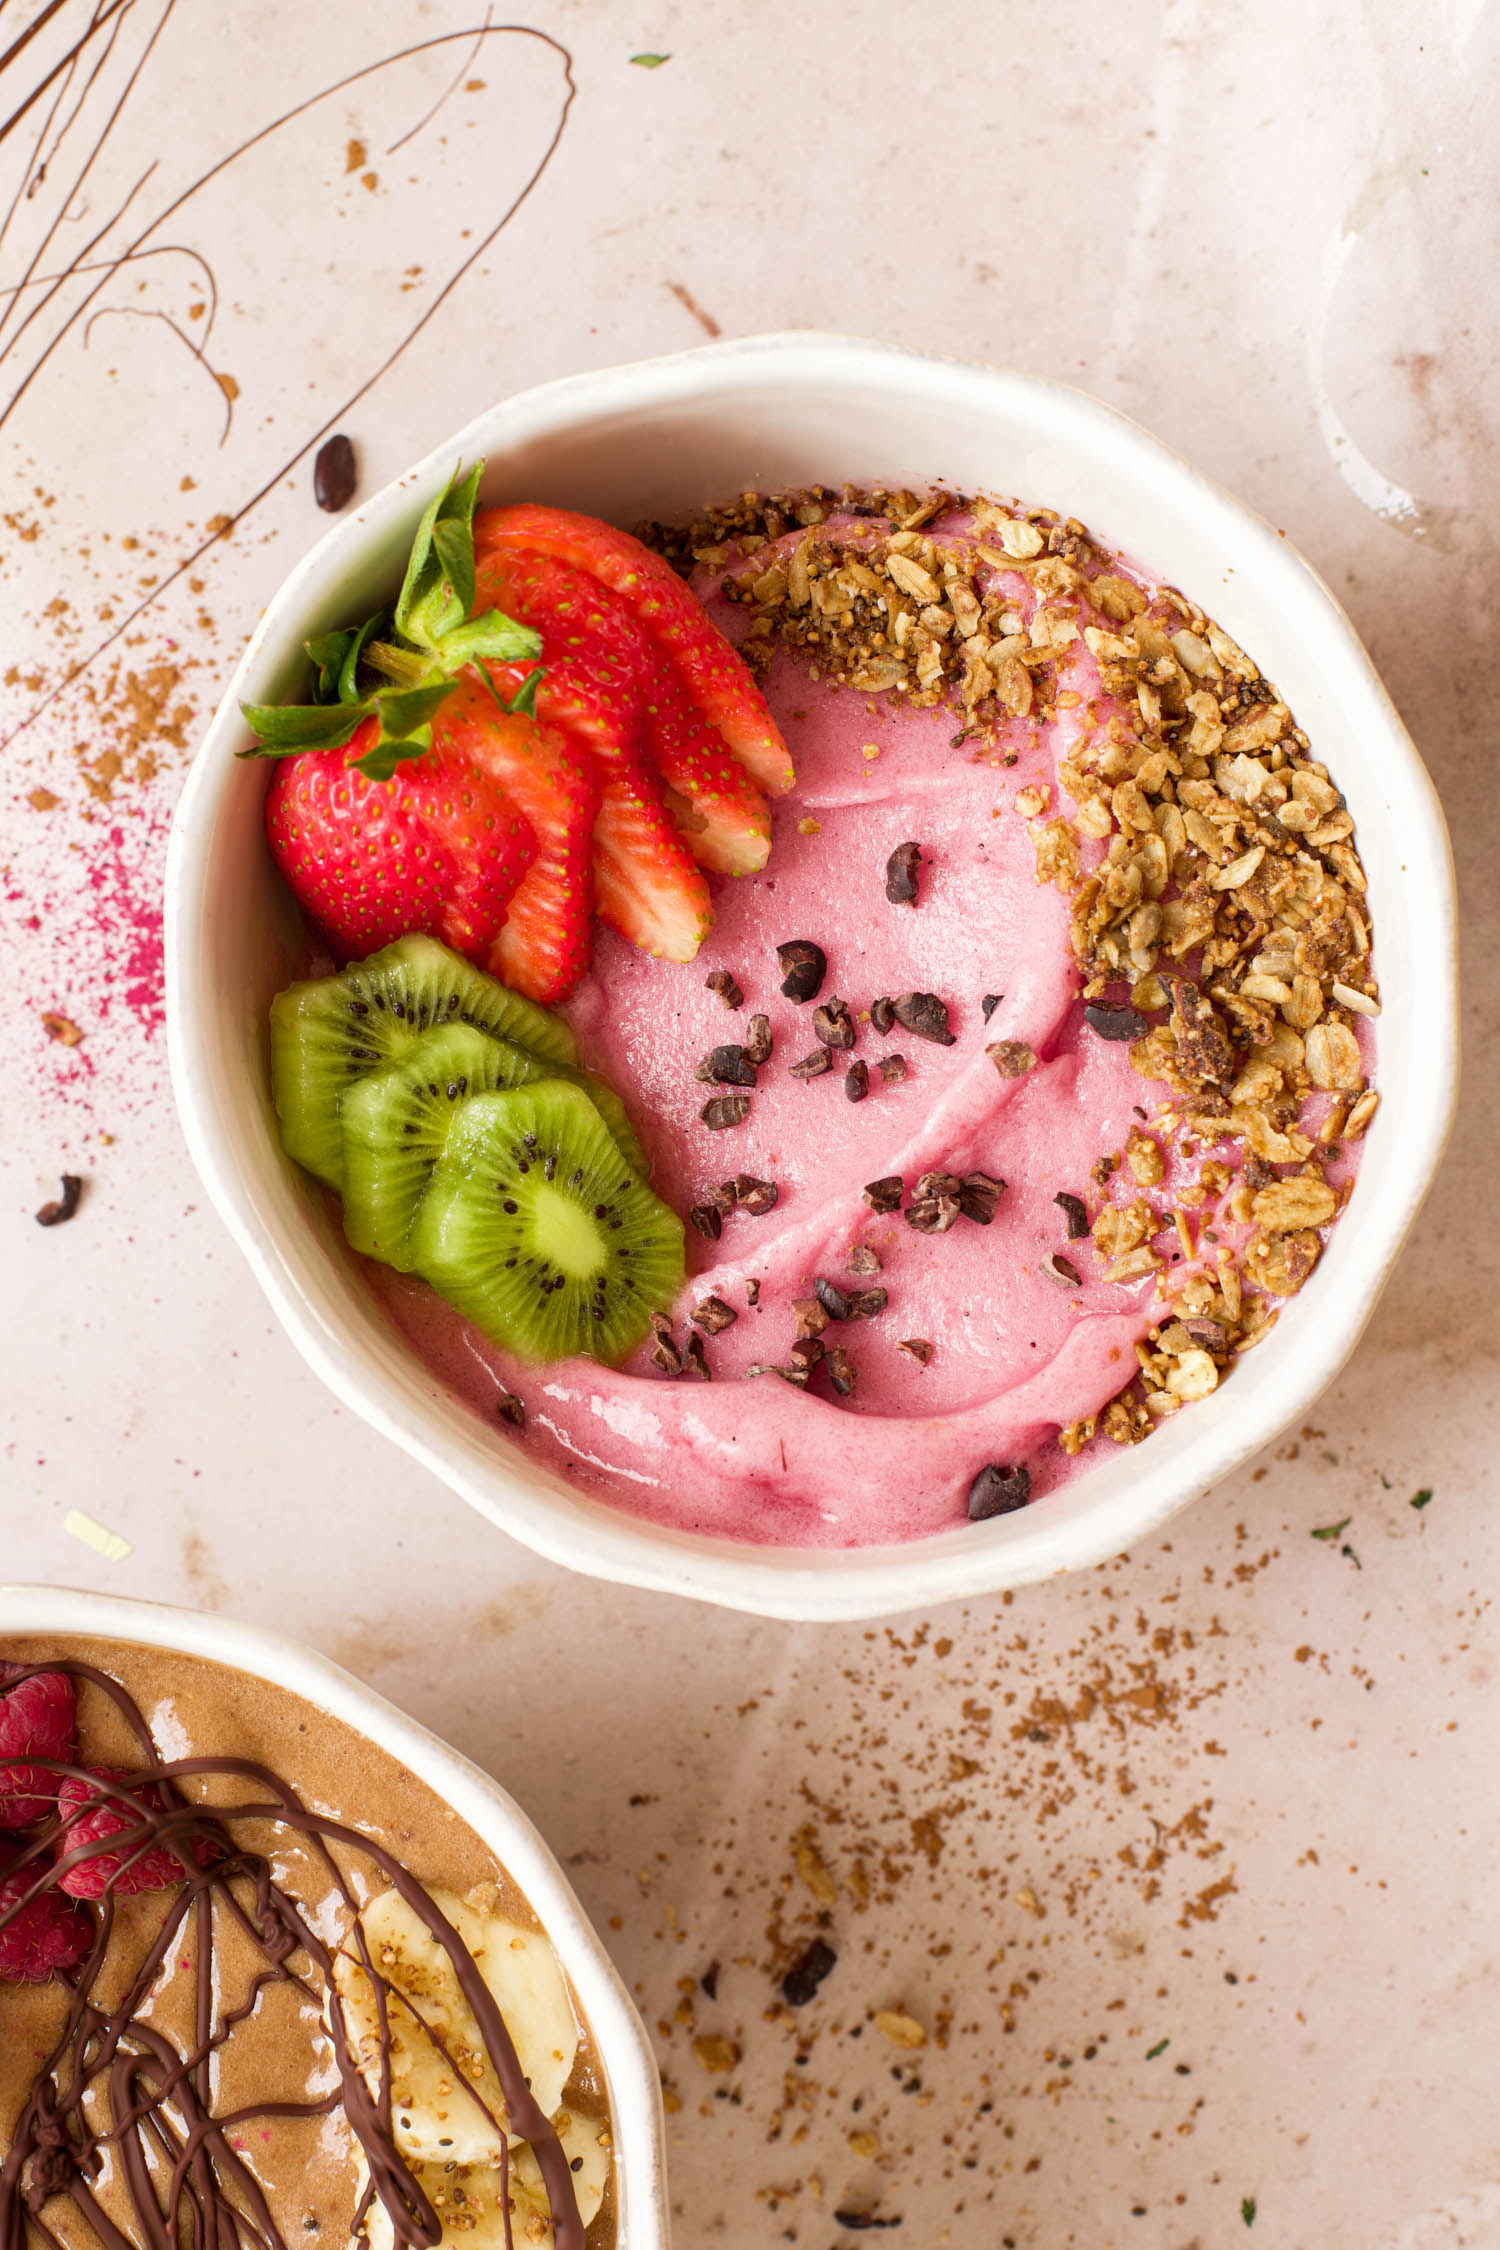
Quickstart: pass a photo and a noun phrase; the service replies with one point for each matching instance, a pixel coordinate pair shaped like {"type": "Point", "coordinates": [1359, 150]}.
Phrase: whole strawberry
{"type": "Point", "coordinates": [40, 1934]}
{"type": "Point", "coordinates": [38, 1719]}
{"type": "Point", "coordinates": [91, 1814]}
{"type": "Point", "coordinates": [379, 830]}
{"type": "Point", "coordinates": [437, 847]}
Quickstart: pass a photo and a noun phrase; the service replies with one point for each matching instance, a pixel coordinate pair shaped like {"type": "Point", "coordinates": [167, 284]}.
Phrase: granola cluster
{"type": "Point", "coordinates": [1217, 898]}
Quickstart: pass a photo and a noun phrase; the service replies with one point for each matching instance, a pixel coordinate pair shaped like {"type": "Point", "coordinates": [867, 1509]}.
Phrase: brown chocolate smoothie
{"type": "Point", "coordinates": [212, 2050]}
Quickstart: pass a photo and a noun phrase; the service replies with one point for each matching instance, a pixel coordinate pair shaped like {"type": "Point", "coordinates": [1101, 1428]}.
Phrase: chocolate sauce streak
{"type": "Point", "coordinates": [110, 2063]}
{"type": "Point", "coordinates": [105, 18]}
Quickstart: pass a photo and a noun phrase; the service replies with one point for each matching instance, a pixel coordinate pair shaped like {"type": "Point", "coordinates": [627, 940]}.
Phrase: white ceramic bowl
{"type": "Point", "coordinates": [659, 439]}
{"type": "Point", "coordinates": [634, 2088]}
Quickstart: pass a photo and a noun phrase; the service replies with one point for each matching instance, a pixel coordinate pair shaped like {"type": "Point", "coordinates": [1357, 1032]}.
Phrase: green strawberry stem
{"type": "Point", "coordinates": [434, 641]}
{"type": "Point", "coordinates": [408, 666]}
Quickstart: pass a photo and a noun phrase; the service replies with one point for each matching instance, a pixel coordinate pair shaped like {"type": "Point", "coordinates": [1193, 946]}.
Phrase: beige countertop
{"type": "Point", "coordinates": [1184, 1867]}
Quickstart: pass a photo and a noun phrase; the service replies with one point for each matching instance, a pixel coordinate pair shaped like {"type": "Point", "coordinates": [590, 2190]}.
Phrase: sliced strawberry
{"type": "Point", "coordinates": [597, 664]}
{"type": "Point", "coordinates": [724, 819]}
{"type": "Point", "coordinates": [439, 848]}
{"type": "Point", "coordinates": [543, 948]}
{"type": "Point", "coordinates": [712, 673]}
{"type": "Point", "coordinates": [645, 882]}
{"type": "Point", "coordinates": [606, 683]}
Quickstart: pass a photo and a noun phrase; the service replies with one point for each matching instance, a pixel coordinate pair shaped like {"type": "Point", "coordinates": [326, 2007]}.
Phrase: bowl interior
{"type": "Point", "coordinates": [663, 439]}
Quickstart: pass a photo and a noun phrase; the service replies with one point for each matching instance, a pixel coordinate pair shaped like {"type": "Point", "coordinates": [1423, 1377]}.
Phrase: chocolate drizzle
{"type": "Point", "coordinates": [110, 2062]}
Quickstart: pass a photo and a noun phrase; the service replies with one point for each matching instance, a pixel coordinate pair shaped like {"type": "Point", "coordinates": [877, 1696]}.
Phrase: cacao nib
{"type": "Point", "coordinates": [864, 1304]}
{"type": "Point", "coordinates": [1114, 1023]}
{"type": "Point", "coordinates": [727, 1066]}
{"type": "Point", "coordinates": [721, 982]}
{"type": "Point", "coordinates": [725, 1110]}
{"type": "Point", "coordinates": [990, 1003]}
{"type": "Point", "coordinates": [695, 1360]}
{"type": "Point", "coordinates": [901, 874]}
{"type": "Point", "coordinates": [58, 1213]}
{"type": "Point", "coordinates": [803, 967]}
{"type": "Point", "coordinates": [511, 1409]}
{"type": "Point", "coordinates": [807, 1973]}
{"type": "Point", "coordinates": [758, 1197]}
{"type": "Point", "coordinates": [713, 1314]}
{"type": "Point", "coordinates": [925, 1016]}
{"type": "Point", "coordinates": [932, 1214]}
{"type": "Point", "coordinates": [857, 1081]}
{"type": "Point", "coordinates": [862, 1259]}
{"type": "Point", "coordinates": [978, 1193]}
{"type": "Point", "coordinates": [1075, 1212]}
{"type": "Point", "coordinates": [893, 1069]}
{"type": "Point", "coordinates": [758, 1042]}
{"type": "Point", "coordinates": [917, 1348]}
{"type": "Point", "coordinates": [812, 1318]}
{"type": "Point", "coordinates": [882, 1014]}
{"type": "Point", "coordinates": [884, 1195]}
{"type": "Point", "coordinates": [833, 1023]}
{"type": "Point", "coordinates": [831, 1298]}
{"type": "Point", "coordinates": [842, 1372]}
{"type": "Point", "coordinates": [813, 1065]}
{"type": "Point", "coordinates": [1058, 1268]}
{"type": "Point", "coordinates": [998, 1491]}
{"type": "Point", "coordinates": [706, 1219]}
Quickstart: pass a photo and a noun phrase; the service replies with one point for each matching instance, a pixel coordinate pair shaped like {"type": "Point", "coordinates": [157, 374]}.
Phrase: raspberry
{"type": "Point", "coordinates": [89, 1815]}
{"type": "Point", "coordinates": [38, 1717]}
{"type": "Point", "coordinates": [49, 1933]}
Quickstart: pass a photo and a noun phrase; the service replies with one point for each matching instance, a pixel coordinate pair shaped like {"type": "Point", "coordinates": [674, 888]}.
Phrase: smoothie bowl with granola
{"type": "Point", "coordinates": [830, 1016]}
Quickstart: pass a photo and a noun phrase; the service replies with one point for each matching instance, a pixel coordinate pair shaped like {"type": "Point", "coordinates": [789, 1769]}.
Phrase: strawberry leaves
{"type": "Point", "coordinates": [419, 649]}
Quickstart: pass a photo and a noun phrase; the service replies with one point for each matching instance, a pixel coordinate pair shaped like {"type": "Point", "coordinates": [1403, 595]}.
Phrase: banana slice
{"type": "Point", "coordinates": [586, 2144]}
{"type": "Point", "coordinates": [439, 2107]}
{"type": "Point", "coordinates": [469, 2198]}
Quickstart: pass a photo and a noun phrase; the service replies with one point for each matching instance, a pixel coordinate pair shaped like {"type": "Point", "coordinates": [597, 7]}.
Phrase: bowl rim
{"type": "Point", "coordinates": [625, 2054]}
{"type": "Point", "coordinates": [844, 1584]}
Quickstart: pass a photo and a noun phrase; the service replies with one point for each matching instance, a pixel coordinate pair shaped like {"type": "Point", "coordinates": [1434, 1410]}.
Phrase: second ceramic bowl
{"type": "Point", "coordinates": [662, 439]}
{"type": "Point", "coordinates": [633, 2088]}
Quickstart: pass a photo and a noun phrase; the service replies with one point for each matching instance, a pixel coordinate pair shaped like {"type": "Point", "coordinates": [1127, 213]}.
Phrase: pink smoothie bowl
{"type": "Point", "coordinates": [663, 439]}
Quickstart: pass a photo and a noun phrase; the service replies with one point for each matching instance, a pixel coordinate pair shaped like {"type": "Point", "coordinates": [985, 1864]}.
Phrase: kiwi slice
{"type": "Point", "coordinates": [394, 1126]}
{"type": "Point", "coordinates": [538, 1231]}
{"type": "Point", "coordinates": [331, 1030]}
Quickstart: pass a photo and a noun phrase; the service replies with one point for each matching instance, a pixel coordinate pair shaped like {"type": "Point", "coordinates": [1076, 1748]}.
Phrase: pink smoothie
{"type": "Point", "coordinates": [1016, 1353]}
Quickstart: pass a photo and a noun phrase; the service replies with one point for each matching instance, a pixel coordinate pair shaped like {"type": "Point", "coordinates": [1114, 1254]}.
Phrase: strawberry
{"type": "Point", "coordinates": [606, 683]}
{"type": "Point", "coordinates": [41, 1934]}
{"type": "Point", "coordinates": [647, 886]}
{"type": "Point", "coordinates": [725, 821]}
{"type": "Point", "coordinates": [38, 1719]}
{"type": "Point", "coordinates": [712, 674]}
{"type": "Point", "coordinates": [438, 846]}
{"type": "Point", "coordinates": [91, 1814]}
{"type": "Point", "coordinates": [543, 948]}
